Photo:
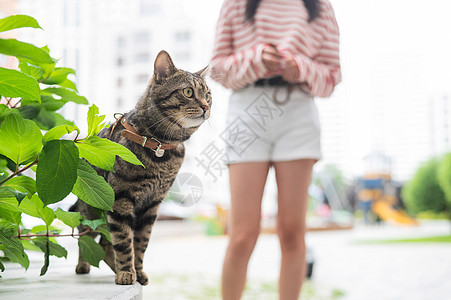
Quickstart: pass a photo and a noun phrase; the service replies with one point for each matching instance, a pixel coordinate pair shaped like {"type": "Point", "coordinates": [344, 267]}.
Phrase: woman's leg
{"type": "Point", "coordinates": [247, 182]}
{"type": "Point", "coordinates": [293, 180]}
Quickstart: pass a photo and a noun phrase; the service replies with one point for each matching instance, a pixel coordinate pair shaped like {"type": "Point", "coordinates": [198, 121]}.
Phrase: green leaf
{"type": "Point", "coordinates": [17, 48]}
{"type": "Point", "coordinates": [35, 208]}
{"type": "Point", "coordinates": [91, 251]}
{"type": "Point", "coordinates": [114, 148]}
{"type": "Point", "coordinates": [69, 84]}
{"type": "Point", "coordinates": [18, 21]}
{"type": "Point", "coordinates": [28, 245]}
{"type": "Point", "coordinates": [51, 104]}
{"type": "Point", "coordinates": [31, 70]}
{"type": "Point", "coordinates": [106, 148]}
{"type": "Point", "coordinates": [60, 120]}
{"type": "Point", "coordinates": [4, 111]}
{"type": "Point", "coordinates": [104, 231]}
{"type": "Point", "coordinates": [92, 188]}
{"type": "Point", "coordinates": [40, 229]}
{"type": "Point", "coordinates": [58, 76]}
{"type": "Point", "coordinates": [30, 111]}
{"type": "Point", "coordinates": [57, 132]}
{"type": "Point", "coordinates": [65, 94]}
{"type": "Point", "coordinates": [4, 225]}
{"type": "Point", "coordinates": [98, 157]}
{"type": "Point", "coordinates": [57, 170]}
{"type": "Point", "coordinates": [45, 244]}
{"type": "Point", "coordinates": [23, 184]}
{"type": "Point", "coordinates": [16, 84]}
{"type": "Point", "coordinates": [45, 119]}
{"type": "Point", "coordinates": [9, 192]}
{"type": "Point", "coordinates": [13, 249]}
{"type": "Point", "coordinates": [93, 223]}
{"type": "Point", "coordinates": [9, 210]}
{"type": "Point", "coordinates": [55, 249]}
{"type": "Point", "coordinates": [94, 120]}
{"type": "Point", "coordinates": [71, 219]}
{"type": "Point", "coordinates": [23, 136]}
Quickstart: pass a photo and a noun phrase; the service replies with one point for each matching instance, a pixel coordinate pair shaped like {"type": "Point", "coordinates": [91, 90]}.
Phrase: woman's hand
{"type": "Point", "coordinates": [290, 70]}
{"type": "Point", "coordinates": [272, 59]}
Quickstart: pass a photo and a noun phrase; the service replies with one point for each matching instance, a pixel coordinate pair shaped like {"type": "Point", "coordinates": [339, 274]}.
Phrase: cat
{"type": "Point", "coordinates": [172, 108]}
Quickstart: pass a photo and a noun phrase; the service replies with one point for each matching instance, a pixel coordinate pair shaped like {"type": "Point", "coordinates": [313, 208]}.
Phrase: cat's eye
{"type": "Point", "coordinates": [208, 96]}
{"type": "Point", "coordinates": [188, 92]}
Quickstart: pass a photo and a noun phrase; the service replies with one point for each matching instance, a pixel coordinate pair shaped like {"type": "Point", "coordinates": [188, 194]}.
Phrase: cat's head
{"type": "Point", "coordinates": [177, 101]}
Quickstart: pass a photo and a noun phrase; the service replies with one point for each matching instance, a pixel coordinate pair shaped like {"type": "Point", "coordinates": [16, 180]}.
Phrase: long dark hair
{"type": "Point", "coordinates": [311, 5]}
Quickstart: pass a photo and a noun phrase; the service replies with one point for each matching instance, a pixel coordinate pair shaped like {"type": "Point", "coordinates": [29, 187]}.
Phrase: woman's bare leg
{"type": "Point", "coordinates": [247, 182]}
{"type": "Point", "coordinates": [293, 180]}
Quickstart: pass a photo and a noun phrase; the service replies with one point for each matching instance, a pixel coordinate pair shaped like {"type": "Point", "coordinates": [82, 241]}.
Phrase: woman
{"type": "Point", "coordinates": [276, 56]}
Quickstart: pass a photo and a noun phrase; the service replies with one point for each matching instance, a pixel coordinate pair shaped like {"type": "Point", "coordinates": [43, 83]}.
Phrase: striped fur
{"type": "Point", "coordinates": [166, 113]}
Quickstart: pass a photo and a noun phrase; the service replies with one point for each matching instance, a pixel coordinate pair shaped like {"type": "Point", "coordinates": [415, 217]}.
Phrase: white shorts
{"type": "Point", "coordinates": [259, 130]}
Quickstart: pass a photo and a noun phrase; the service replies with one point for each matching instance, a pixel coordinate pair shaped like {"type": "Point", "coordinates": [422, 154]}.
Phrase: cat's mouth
{"type": "Point", "coordinates": [191, 121]}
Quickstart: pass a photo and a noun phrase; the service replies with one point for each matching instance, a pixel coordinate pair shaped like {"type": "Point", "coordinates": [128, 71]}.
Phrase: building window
{"type": "Point", "coordinates": [120, 61]}
{"type": "Point", "coordinates": [119, 82]}
{"type": "Point", "coordinates": [120, 42]}
{"type": "Point", "coordinates": [142, 37]}
{"type": "Point", "coordinates": [150, 7]}
{"type": "Point", "coordinates": [119, 101]}
{"type": "Point", "coordinates": [141, 78]}
{"type": "Point", "coordinates": [142, 57]}
{"type": "Point", "coordinates": [183, 55]}
{"type": "Point", "coordinates": [182, 36]}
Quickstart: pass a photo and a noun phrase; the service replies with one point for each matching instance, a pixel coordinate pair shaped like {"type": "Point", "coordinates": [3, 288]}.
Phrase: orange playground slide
{"type": "Point", "coordinates": [387, 213]}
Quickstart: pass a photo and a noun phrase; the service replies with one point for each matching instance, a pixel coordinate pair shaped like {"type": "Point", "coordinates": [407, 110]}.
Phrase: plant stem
{"type": "Point", "coordinates": [20, 171]}
{"type": "Point", "coordinates": [17, 103]}
{"type": "Point", "coordinates": [53, 235]}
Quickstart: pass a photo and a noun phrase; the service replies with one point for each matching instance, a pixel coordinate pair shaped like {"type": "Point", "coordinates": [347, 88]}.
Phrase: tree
{"type": "Point", "coordinates": [444, 178]}
{"type": "Point", "coordinates": [34, 136]}
{"type": "Point", "coordinates": [423, 192]}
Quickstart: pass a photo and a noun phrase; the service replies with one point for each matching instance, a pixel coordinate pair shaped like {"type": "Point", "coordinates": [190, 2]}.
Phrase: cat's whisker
{"type": "Point", "coordinates": [213, 128]}
{"type": "Point", "coordinates": [162, 121]}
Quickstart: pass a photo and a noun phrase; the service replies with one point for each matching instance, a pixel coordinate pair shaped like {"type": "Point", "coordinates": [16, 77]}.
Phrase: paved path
{"type": "Point", "coordinates": [184, 264]}
{"type": "Point", "coordinates": [361, 271]}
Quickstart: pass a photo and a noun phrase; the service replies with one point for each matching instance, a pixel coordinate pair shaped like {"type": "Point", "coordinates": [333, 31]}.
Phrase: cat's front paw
{"type": "Point", "coordinates": [125, 278]}
{"type": "Point", "coordinates": [82, 268]}
{"type": "Point", "coordinates": [142, 278]}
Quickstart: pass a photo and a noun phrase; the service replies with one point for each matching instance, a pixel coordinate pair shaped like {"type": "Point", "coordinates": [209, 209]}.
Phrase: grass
{"type": "Point", "coordinates": [171, 286]}
{"type": "Point", "coordinates": [431, 239]}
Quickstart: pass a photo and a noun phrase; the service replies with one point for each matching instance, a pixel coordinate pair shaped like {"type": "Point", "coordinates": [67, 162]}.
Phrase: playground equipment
{"type": "Point", "coordinates": [379, 194]}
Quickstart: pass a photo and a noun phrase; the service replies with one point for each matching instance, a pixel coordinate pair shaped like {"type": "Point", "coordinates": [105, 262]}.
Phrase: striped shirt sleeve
{"type": "Point", "coordinates": [320, 75]}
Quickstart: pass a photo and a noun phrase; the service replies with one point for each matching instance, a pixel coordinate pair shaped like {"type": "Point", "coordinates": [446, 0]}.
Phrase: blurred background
{"type": "Point", "coordinates": [385, 131]}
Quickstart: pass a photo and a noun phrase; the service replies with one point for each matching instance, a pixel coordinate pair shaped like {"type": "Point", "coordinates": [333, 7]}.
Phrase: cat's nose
{"type": "Point", "coordinates": [205, 107]}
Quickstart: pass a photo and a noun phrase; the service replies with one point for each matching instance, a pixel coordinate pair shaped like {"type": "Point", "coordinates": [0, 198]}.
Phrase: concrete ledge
{"type": "Point", "coordinates": [61, 282]}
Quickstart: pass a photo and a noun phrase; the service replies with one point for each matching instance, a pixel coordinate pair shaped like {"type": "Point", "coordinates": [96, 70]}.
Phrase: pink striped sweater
{"type": "Point", "coordinates": [237, 54]}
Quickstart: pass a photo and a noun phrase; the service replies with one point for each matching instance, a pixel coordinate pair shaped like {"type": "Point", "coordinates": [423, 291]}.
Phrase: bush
{"type": "Point", "coordinates": [423, 192]}
{"type": "Point", "coordinates": [444, 177]}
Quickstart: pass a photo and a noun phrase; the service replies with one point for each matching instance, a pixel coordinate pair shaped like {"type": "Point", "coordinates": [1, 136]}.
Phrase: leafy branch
{"type": "Point", "coordinates": [52, 235]}
{"type": "Point", "coordinates": [36, 133]}
{"type": "Point", "coordinates": [17, 172]}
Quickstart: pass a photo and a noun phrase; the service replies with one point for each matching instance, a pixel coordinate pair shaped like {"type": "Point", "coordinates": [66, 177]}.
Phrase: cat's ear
{"type": "Point", "coordinates": [204, 72]}
{"type": "Point", "coordinates": [164, 67]}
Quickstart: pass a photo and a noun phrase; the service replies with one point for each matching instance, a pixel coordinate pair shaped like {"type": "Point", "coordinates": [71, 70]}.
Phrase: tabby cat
{"type": "Point", "coordinates": [172, 108]}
